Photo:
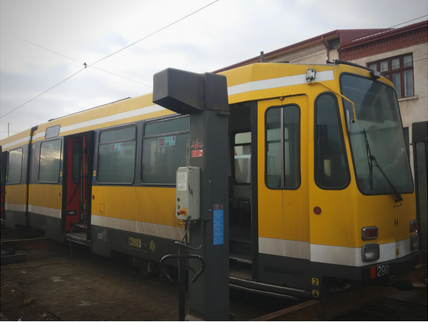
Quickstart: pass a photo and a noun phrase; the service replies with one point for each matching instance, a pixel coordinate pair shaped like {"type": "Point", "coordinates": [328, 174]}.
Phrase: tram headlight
{"type": "Point", "coordinates": [414, 242]}
{"type": "Point", "coordinates": [370, 252]}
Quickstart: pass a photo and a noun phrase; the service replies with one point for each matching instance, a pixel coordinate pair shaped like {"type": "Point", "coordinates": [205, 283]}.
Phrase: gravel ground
{"type": "Point", "coordinates": [59, 283]}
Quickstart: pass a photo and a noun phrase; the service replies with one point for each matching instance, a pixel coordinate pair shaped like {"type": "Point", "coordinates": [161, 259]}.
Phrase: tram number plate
{"type": "Point", "coordinates": [382, 270]}
{"type": "Point", "coordinates": [134, 242]}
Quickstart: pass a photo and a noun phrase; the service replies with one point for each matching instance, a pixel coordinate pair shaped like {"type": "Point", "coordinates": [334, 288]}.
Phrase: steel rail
{"type": "Point", "coordinates": [341, 303]}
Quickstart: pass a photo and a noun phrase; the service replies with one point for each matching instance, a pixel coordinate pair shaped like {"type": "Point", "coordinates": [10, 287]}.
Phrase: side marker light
{"type": "Point", "coordinates": [414, 225]}
{"type": "Point", "coordinates": [369, 233]}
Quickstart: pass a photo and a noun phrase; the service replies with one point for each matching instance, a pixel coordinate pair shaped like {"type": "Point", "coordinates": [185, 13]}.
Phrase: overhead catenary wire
{"type": "Point", "coordinates": [108, 56]}
{"type": "Point", "coordinates": [43, 92]}
{"type": "Point", "coordinates": [32, 43]}
{"type": "Point", "coordinates": [408, 21]}
{"type": "Point", "coordinates": [154, 33]}
{"type": "Point", "coordinates": [121, 76]}
{"type": "Point", "coordinates": [72, 59]}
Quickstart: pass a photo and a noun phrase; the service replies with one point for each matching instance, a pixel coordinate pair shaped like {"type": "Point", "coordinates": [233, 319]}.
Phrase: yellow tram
{"type": "Point", "coordinates": [320, 186]}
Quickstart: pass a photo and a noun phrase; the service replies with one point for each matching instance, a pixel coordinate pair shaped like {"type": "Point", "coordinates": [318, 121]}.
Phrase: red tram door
{"type": "Point", "coordinates": [78, 183]}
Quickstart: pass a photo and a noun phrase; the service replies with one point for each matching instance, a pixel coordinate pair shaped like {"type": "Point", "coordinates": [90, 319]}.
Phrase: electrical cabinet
{"type": "Point", "coordinates": [187, 202]}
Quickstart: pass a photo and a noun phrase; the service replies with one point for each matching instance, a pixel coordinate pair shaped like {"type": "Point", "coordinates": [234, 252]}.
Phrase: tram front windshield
{"type": "Point", "coordinates": [377, 138]}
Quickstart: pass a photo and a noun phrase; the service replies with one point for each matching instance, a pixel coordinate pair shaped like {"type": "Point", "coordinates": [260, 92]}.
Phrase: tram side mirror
{"type": "Point", "coordinates": [187, 201]}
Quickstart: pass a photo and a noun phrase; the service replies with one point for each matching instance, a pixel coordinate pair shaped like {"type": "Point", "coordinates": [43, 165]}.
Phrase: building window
{"type": "Point", "coordinates": [399, 70]}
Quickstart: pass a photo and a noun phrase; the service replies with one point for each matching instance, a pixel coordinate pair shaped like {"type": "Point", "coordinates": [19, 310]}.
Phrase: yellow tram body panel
{"type": "Point", "coordinates": [110, 115]}
{"type": "Point", "coordinates": [135, 203]}
{"type": "Point", "coordinates": [262, 81]}
{"type": "Point", "coordinates": [16, 197]}
{"type": "Point", "coordinates": [137, 209]}
{"type": "Point", "coordinates": [46, 199]}
{"type": "Point", "coordinates": [16, 140]}
{"type": "Point", "coordinates": [348, 211]}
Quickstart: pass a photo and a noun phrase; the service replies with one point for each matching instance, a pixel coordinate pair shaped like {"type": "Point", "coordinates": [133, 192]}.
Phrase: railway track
{"type": "Point", "coordinates": [343, 302]}
{"type": "Point", "coordinates": [16, 241]}
{"type": "Point", "coordinates": [28, 243]}
{"type": "Point", "coordinates": [244, 307]}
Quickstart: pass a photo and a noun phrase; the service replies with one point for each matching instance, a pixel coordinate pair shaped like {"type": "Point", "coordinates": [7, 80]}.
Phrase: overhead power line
{"type": "Point", "coordinates": [30, 42]}
{"type": "Point", "coordinates": [408, 21]}
{"type": "Point", "coordinates": [42, 93]}
{"type": "Point", "coordinates": [114, 53]}
{"type": "Point", "coordinates": [117, 75]}
{"type": "Point", "coordinates": [154, 33]}
{"type": "Point", "coordinates": [57, 53]}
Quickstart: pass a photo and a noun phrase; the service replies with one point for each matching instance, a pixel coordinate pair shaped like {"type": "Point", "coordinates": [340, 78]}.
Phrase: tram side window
{"type": "Point", "coordinates": [116, 155]}
{"type": "Point", "coordinates": [166, 147]}
{"type": "Point", "coordinates": [242, 156]}
{"type": "Point", "coordinates": [14, 166]}
{"type": "Point", "coordinates": [283, 147]}
{"type": "Point", "coordinates": [50, 158]}
{"type": "Point", "coordinates": [331, 170]}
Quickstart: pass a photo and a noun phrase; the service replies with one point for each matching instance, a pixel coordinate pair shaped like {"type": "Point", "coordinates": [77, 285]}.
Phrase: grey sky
{"type": "Point", "coordinates": [225, 32]}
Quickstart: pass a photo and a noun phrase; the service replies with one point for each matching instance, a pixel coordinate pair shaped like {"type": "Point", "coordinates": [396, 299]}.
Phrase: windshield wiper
{"type": "Point", "coordinates": [371, 159]}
